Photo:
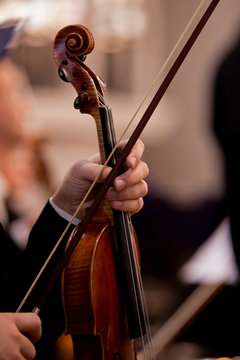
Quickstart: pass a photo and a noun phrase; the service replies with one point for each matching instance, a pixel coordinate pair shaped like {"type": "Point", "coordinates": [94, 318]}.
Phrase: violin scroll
{"type": "Point", "coordinates": [72, 44]}
{"type": "Point", "coordinates": [77, 40]}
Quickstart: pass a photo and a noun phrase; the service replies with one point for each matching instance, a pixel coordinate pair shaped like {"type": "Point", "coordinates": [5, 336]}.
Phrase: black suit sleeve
{"type": "Point", "coordinates": [43, 237]}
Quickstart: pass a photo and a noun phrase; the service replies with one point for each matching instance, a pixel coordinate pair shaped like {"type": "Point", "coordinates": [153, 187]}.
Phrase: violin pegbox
{"type": "Point", "coordinates": [72, 45]}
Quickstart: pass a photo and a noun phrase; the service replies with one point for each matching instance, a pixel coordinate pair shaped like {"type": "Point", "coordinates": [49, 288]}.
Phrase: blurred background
{"type": "Point", "coordinates": [186, 181]}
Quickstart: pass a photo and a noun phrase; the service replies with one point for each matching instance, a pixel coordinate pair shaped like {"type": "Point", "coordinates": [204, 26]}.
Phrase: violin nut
{"type": "Point", "coordinates": [65, 73]}
{"type": "Point", "coordinates": [81, 100]}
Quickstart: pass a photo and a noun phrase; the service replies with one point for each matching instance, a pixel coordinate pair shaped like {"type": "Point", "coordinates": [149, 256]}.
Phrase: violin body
{"type": "Point", "coordinates": [93, 303]}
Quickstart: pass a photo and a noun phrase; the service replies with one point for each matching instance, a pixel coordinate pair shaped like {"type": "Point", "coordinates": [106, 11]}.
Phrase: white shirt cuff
{"type": "Point", "coordinates": [63, 213]}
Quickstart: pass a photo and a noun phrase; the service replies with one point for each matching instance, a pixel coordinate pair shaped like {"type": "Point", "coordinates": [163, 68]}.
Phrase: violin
{"type": "Point", "coordinates": [102, 290]}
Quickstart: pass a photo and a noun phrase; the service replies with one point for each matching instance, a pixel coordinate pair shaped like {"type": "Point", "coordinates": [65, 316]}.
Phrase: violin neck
{"type": "Point", "coordinates": [126, 246]}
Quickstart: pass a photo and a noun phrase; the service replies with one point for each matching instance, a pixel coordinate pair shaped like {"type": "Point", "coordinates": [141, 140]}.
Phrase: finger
{"type": "Point", "coordinates": [16, 355]}
{"type": "Point", "coordinates": [30, 324]}
{"type": "Point", "coordinates": [95, 158]}
{"type": "Point", "coordinates": [131, 206]}
{"type": "Point", "coordinates": [135, 154]}
{"type": "Point", "coordinates": [27, 350]}
{"type": "Point", "coordinates": [87, 170]}
{"type": "Point", "coordinates": [90, 169]}
{"type": "Point", "coordinates": [131, 176]}
{"type": "Point", "coordinates": [130, 193]}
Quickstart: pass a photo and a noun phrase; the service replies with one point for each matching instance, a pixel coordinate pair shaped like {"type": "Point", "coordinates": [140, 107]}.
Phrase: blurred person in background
{"type": "Point", "coordinates": [20, 161]}
{"type": "Point", "coordinates": [215, 328]}
{"type": "Point", "coordinates": [168, 247]}
{"type": "Point", "coordinates": [226, 123]}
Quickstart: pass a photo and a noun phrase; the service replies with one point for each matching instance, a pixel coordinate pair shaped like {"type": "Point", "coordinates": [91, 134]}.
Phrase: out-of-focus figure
{"type": "Point", "coordinates": [22, 170]}
{"type": "Point", "coordinates": [215, 327]}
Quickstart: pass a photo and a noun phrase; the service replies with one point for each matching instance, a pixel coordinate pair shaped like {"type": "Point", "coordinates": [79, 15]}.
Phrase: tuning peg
{"type": "Point", "coordinates": [65, 73]}
{"type": "Point", "coordinates": [81, 100]}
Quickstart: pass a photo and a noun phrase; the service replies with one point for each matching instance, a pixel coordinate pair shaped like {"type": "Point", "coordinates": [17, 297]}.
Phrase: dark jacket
{"type": "Point", "coordinates": [227, 129]}
{"type": "Point", "coordinates": [17, 278]}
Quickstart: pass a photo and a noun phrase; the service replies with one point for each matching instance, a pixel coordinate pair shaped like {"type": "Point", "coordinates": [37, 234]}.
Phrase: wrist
{"type": "Point", "coordinates": [62, 212]}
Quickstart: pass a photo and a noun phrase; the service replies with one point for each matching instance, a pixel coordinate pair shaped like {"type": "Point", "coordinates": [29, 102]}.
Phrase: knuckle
{"type": "Point", "coordinates": [13, 354]}
{"type": "Point", "coordinates": [37, 321]}
{"type": "Point", "coordinates": [141, 202]}
{"type": "Point", "coordinates": [77, 166]}
{"type": "Point", "coordinates": [122, 144]}
{"type": "Point", "coordinates": [28, 350]}
{"type": "Point", "coordinates": [76, 169]}
{"type": "Point", "coordinates": [141, 144]}
{"type": "Point", "coordinates": [32, 352]}
{"type": "Point", "coordinates": [144, 188]}
{"type": "Point", "coordinates": [137, 206]}
{"type": "Point", "coordinates": [16, 336]}
{"type": "Point", "coordinates": [145, 169]}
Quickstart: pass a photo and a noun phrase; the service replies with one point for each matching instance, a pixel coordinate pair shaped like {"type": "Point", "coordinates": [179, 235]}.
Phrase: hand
{"type": "Point", "coordinates": [126, 193]}
{"type": "Point", "coordinates": [13, 344]}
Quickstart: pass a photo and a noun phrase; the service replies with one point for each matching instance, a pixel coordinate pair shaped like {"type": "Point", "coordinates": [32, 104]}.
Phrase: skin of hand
{"type": "Point", "coordinates": [125, 194]}
{"type": "Point", "coordinates": [13, 343]}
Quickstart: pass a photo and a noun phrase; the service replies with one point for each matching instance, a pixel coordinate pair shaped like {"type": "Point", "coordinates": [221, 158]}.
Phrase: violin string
{"type": "Point", "coordinates": [196, 301]}
{"type": "Point", "coordinates": [146, 339]}
{"type": "Point", "coordinates": [133, 260]}
{"type": "Point", "coordinates": [149, 348]}
{"type": "Point", "coordinates": [172, 54]}
{"type": "Point", "coordinates": [137, 271]}
{"type": "Point", "coordinates": [126, 223]}
{"type": "Point", "coordinates": [138, 311]}
{"type": "Point", "coordinates": [132, 272]}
